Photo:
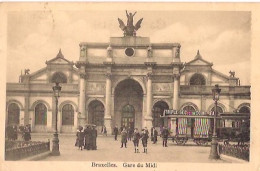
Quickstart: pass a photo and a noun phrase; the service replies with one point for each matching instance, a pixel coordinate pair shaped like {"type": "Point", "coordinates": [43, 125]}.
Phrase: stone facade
{"type": "Point", "coordinates": [127, 81]}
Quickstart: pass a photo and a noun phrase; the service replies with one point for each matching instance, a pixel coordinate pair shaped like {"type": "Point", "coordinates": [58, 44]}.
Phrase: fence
{"type": "Point", "coordinates": [238, 151]}
{"type": "Point", "coordinates": [17, 150]}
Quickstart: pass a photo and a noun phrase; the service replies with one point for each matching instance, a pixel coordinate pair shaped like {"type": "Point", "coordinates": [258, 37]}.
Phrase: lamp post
{"type": "Point", "coordinates": [55, 140]}
{"type": "Point", "coordinates": [214, 143]}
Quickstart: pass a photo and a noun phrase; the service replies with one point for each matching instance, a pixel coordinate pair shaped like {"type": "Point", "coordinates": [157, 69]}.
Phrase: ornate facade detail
{"type": "Point", "coordinates": [177, 52]}
{"type": "Point", "coordinates": [149, 75]}
{"type": "Point", "coordinates": [83, 51]}
{"type": "Point", "coordinates": [108, 75]}
{"type": "Point", "coordinates": [83, 75]}
{"type": "Point", "coordinates": [149, 52]}
{"type": "Point", "coordinates": [95, 87]}
{"type": "Point", "coordinates": [109, 52]}
{"type": "Point", "coordinates": [161, 87]}
{"type": "Point", "coordinates": [176, 76]}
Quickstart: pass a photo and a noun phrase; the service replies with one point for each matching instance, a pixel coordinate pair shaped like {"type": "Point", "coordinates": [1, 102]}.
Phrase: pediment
{"type": "Point", "coordinates": [200, 62]}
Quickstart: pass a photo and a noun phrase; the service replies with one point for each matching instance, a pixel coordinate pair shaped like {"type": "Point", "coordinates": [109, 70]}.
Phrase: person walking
{"type": "Point", "coordinates": [123, 138]}
{"type": "Point", "coordinates": [80, 138]}
{"type": "Point", "coordinates": [129, 133]}
{"type": "Point", "coordinates": [94, 138]}
{"type": "Point", "coordinates": [87, 134]}
{"type": "Point", "coordinates": [144, 138]}
{"type": "Point", "coordinates": [155, 134]}
{"type": "Point", "coordinates": [152, 130]}
{"type": "Point", "coordinates": [116, 132]}
{"type": "Point", "coordinates": [136, 137]}
{"type": "Point", "coordinates": [104, 130]}
{"type": "Point", "coordinates": [165, 134]}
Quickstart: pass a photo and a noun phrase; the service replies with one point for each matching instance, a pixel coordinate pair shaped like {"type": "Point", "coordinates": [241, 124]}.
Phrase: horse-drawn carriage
{"type": "Point", "coordinates": [199, 127]}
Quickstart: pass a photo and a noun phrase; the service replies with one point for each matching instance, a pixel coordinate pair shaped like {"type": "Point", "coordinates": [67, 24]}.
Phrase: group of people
{"type": "Point", "coordinates": [144, 135]}
{"type": "Point", "coordinates": [87, 137]}
{"type": "Point", "coordinates": [14, 132]}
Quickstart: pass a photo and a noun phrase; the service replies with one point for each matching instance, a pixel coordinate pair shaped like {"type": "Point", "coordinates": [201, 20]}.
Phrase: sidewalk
{"type": "Point", "coordinates": [109, 150]}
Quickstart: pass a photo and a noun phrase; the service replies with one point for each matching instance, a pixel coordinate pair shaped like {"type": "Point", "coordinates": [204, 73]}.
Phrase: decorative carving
{"type": "Point", "coordinates": [83, 75]}
{"type": "Point", "coordinates": [96, 87]}
{"type": "Point", "coordinates": [149, 52]}
{"type": "Point", "coordinates": [160, 87]}
{"type": "Point", "coordinates": [130, 29]}
{"type": "Point", "coordinates": [109, 52]}
{"type": "Point", "coordinates": [176, 76]}
{"type": "Point", "coordinates": [83, 51]}
{"type": "Point", "coordinates": [26, 71]}
{"type": "Point", "coordinates": [232, 74]}
{"type": "Point", "coordinates": [149, 75]}
{"type": "Point", "coordinates": [108, 75]}
{"type": "Point", "coordinates": [177, 52]}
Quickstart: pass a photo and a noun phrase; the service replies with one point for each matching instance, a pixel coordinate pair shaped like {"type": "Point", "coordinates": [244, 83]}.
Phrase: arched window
{"type": "Point", "coordinates": [59, 77]}
{"type": "Point", "coordinates": [219, 109]}
{"type": "Point", "coordinates": [158, 109]}
{"type": "Point", "coordinates": [67, 115]}
{"type": "Point", "coordinates": [13, 114]}
{"type": "Point", "coordinates": [96, 113]}
{"type": "Point", "coordinates": [244, 109]}
{"type": "Point", "coordinates": [40, 114]}
{"type": "Point", "coordinates": [197, 79]}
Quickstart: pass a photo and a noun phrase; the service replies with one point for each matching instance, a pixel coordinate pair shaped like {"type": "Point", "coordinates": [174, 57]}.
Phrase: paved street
{"type": "Point", "coordinates": [109, 150]}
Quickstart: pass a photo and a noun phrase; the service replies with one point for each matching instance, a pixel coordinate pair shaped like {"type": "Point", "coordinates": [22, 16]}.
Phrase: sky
{"type": "Point", "coordinates": [223, 37]}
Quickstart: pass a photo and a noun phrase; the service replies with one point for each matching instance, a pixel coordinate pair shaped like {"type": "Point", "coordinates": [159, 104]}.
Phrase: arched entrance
{"type": "Point", "coordinates": [158, 109]}
{"type": "Point", "coordinates": [96, 114]}
{"type": "Point", "coordinates": [13, 114]}
{"type": "Point", "coordinates": [128, 104]}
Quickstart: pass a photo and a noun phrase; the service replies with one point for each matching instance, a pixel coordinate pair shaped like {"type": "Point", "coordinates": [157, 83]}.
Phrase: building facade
{"type": "Point", "coordinates": [128, 81]}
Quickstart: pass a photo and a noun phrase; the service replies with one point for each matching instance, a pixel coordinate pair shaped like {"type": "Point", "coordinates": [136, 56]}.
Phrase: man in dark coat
{"type": "Point", "coordinates": [165, 134]}
{"type": "Point", "coordinates": [123, 138]}
{"type": "Point", "coordinates": [155, 134]}
{"type": "Point", "coordinates": [144, 137]}
{"type": "Point", "coordinates": [94, 137]}
{"type": "Point", "coordinates": [116, 132]}
{"type": "Point", "coordinates": [152, 131]}
{"type": "Point", "coordinates": [87, 133]}
{"type": "Point", "coordinates": [136, 137]}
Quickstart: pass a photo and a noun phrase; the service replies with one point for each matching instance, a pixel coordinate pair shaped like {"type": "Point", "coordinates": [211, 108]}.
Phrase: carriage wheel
{"type": "Point", "coordinates": [181, 141]}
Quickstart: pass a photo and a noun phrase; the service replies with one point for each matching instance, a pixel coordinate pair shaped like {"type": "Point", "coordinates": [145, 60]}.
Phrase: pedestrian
{"type": "Point", "coordinates": [136, 137]}
{"type": "Point", "coordinates": [27, 135]}
{"type": "Point", "coordinates": [155, 134]}
{"type": "Point", "coordinates": [165, 134]}
{"type": "Point", "coordinates": [88, 137]}
{"type": "Point", "coordinates": [94, 138]}
{"type": "Point", "coordinates": [129, 133]}
{"type": "Point", "coordinates": [116, 132]}
{"type": "Point", "coordinates": [123, 138]}
{"type": "Point", "coordinates": [144, 137]}
{"type": "Point", "coordinates": [152, 130]}
{"type": "Point", "coordinates": [77, 139]}
{"type": "Point", "coordinates": [81, 137]}
{"type": "Point", "coordinates": [104, 130]}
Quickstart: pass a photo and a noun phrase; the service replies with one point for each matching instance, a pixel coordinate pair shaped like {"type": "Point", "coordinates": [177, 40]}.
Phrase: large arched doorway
{"type": "Point", "coordinates": [13, 114]}
{"type": "Point", "coordinates": [128, 104]}
{"type": "Point", "coordinates": [158, 109]}
{"type": "Point", "coordinates": [40, 118]}
{"type": "Point", "coordinates": [96, 114]}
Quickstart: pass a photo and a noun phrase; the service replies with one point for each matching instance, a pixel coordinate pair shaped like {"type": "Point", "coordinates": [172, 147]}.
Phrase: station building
{"type": "Point", "coordinates": [128, 81]}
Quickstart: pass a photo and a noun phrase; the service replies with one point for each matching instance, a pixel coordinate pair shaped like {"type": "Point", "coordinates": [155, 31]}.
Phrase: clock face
{"type": "Point", "coordinates": [129, 51]}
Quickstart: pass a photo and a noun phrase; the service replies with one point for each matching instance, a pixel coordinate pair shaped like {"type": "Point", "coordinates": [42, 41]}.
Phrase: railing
{"type": "Point", "coordinates": [238, 151]}
{"type": "Point", "coordinates": [17, 150]}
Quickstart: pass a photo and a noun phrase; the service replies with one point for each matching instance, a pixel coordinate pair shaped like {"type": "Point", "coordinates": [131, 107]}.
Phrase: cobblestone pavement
{"type": "Point", "coordinates": [109, 150]}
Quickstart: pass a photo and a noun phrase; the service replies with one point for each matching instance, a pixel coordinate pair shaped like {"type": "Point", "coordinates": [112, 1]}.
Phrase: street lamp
{"type": "Point", "coordinates": [214, 143]}
{"type": "Point", "coordinates": [55, 140]}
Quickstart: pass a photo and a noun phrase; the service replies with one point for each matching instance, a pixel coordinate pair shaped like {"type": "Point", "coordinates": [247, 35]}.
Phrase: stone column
{"type": "Point", "coordinates": [82, 97]}
{"type": "Point", "coordinates": [176, 88]}
{"type": "Point", "coordinates": [107, 117]}
{"type": "Point", "coordinates": [149, 99]}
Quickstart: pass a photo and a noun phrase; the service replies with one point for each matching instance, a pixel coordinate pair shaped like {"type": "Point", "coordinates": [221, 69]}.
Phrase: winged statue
{"type": "Point", "coordinates": [130, 29]}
